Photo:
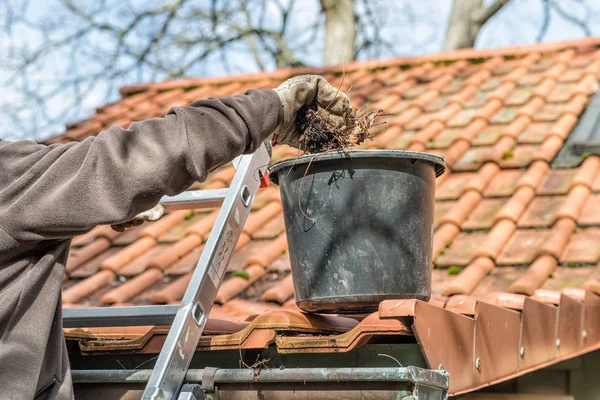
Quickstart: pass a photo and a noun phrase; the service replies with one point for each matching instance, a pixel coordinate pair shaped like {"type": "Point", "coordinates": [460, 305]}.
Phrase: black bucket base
{"type": "Point", "coordinates": [352, 304]}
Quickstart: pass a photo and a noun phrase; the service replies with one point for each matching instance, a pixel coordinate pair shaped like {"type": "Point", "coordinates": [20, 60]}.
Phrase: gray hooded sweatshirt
{"type": "Point", "coordinates": [49, 194]}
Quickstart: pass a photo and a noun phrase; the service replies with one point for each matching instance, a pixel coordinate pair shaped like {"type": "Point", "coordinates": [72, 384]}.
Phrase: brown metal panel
{"type": "Point", "coordinates": [446, 338]}
{"type": "Point", "coordinates": [538, 333]}
{"type": "Point", "coordinates": [497, 334]}
{"type": "Point", "coordinates": [591, 322]}
{"type": "Point", "coordinates": [570, 325]}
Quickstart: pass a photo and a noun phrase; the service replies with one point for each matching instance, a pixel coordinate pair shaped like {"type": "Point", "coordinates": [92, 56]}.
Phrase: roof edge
{"type": "Point", "coordinates": [285, 73]}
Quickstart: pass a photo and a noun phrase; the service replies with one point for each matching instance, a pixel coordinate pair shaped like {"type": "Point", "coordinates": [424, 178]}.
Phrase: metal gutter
{"type": "Point", "coordinates": [404, 380]}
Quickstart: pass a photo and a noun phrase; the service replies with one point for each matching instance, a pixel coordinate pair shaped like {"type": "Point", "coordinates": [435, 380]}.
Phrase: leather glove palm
{"type": "Point", "coordinates": [305, 90]}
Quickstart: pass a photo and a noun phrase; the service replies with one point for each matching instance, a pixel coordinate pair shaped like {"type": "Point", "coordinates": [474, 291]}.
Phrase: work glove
{"type": "Point", "coordinates": [151, 215]}
{"type": "Point", "coordinates": [307, 90]}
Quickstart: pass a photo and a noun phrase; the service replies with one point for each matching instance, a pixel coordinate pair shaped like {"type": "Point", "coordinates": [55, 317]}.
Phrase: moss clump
{"type": "Point", "coordinates": [454, 270]}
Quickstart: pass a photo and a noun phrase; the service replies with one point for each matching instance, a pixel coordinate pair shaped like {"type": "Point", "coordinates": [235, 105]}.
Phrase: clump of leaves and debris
{"type": "Point", "coordinates": [321, 134]}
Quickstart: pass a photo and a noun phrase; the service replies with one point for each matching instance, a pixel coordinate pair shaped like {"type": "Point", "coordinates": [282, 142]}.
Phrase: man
{"type": "Point", "coordinates": [49, 194]}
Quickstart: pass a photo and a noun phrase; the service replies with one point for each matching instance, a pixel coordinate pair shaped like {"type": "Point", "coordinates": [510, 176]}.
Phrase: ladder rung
{"type": "Point", "coordinates": [195, 199]}
{"type": "Point", "coordinates": [88, 317]}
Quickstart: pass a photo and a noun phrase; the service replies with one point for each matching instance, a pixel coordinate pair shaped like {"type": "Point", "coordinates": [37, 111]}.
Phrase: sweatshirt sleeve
{"type": "Point", "coordinates": [60, 191]}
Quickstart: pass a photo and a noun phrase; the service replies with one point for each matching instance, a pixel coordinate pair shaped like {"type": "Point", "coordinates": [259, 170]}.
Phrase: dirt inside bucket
{"type": "Point", "coordinates": [321, 134]}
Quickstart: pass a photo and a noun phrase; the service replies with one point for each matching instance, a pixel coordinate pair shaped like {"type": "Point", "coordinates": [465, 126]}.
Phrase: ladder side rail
{"type": "Point", "coordinates": [181, 342]}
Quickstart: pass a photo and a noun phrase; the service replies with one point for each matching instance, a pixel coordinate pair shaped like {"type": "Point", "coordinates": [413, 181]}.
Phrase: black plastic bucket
{"type": "Point", "coordinates": [359, 226]}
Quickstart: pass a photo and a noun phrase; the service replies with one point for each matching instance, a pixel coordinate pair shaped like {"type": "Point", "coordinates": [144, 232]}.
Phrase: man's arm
{"type": "Point", "coordinates": [59, 191]}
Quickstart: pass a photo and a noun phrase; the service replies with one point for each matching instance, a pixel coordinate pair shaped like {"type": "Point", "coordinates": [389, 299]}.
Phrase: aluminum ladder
{"type": "Point", "coordinates": [188, 319]}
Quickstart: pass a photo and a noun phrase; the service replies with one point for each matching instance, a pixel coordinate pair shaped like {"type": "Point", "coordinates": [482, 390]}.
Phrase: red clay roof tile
{"type": "Point", "coordinates": [517, 118]}
{"type": "Point", "coordinates": [462, 208]}
{"type": "Point", "coordinates": [280, 292]}
{"type": "Point", "coordinates": [516, 126]}
{"type": "Point", "coordinates": [175, 252]}
{"type": "Point", "coordinates": [131, 288]}
{"type": "Point", "coordinates": [583, 247]}
{"type": "Point", "coordinates": [557, 182]}
{"type": "Point", "coordinates": [86, 253]}
{"type": "Point", "coordinates": [483, 215]}
{"type": "Point", "coordinates": [574, 202]}
{"type": "Point", "coordinates": [203, 227]}
{"type": "Point", "coordinates": [522, 247]}
{"type": "Point", "coordinates": [237, 284]}
{"type": "Point", "coordinates": [141, 263]}
{"type": "Point", "coordinates": [469, 277]}
{"type": "Point", "coordinates": [461, 250]}
{"type": "Point", "coordinates": [519, 96]}
{"type": "Point", "coordinates": [535, 275]}
{"type": "Point", "coordinates": [269, 252]}
{"type": "Point", "coordinates": [587, 172]}
{"type": "Point", "coordinates": [514, 207]}
{"type": "Point", "coordinates": [259, 218]}
{"type": "Point", "coordinates": [83, 289]}
{"type": "Point", "coordinates": [161, 226]}
{"type": "Point", "coordinates": [558, 238]}
{"type": "Point", "coordinates": [128, 254]}
{"type": "Point", "coordinates": [496, 239]}
{"type": "Point", "coordinates": [548, 149]}
{"type": "Point", "coordinates": [589, 215]}
{"type": "Point", "coordinates": [504, 183]}
{"type": "Point", "coordinates": [186, 264]}
{"type": "Point", "coordinates": [270, 230]}
{"type": "Point", "coordinates": [488, 136]}
{"type": "Point", "coordinates": [455, 152]}
{"type": "Point", "coordinates": [92, 266]}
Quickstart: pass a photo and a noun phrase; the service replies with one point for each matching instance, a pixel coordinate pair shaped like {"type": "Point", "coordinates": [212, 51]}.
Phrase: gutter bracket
{"type": "Point", "coordinates": [208, 383]}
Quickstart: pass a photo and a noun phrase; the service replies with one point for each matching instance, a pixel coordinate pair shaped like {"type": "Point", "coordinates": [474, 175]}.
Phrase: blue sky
{"type": "Point", "coordinates": [415, 27]}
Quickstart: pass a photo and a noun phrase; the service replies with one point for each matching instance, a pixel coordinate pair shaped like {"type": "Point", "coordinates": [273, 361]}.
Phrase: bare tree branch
{"type": "Point", "coordinates": [250, 38]}
{"type": "Point", "coordinates": [545, 21]}
{"type": "Point", "coordinates": [571, 18]}
{"type": "Point", "coordinates": [482, 15]}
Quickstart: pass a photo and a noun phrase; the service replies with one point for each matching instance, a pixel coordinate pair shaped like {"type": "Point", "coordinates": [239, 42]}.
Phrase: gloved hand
{"type": "Point", "coordinates": [151, 215]}
{"type": "Point", "coordinates": [302, 91]}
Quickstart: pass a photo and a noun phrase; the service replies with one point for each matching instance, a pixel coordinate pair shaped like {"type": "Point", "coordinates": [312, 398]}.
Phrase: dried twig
{"type": "Point", "coordinates": [320, 134]}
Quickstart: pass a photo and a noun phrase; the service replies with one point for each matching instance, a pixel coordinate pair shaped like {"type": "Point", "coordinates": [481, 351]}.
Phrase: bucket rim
{"type": "Point", "coordinates": [436, 160]}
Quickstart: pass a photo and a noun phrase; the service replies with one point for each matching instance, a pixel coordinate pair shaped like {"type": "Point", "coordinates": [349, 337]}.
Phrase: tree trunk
{"type": "Point", "coordinates": [340, 31]}
{"type": "Point", "coordinates": [466, 20]}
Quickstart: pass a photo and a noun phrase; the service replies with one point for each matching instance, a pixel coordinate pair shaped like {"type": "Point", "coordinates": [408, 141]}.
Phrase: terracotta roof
{"type": "Point", "coordinates": [511, 233]}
